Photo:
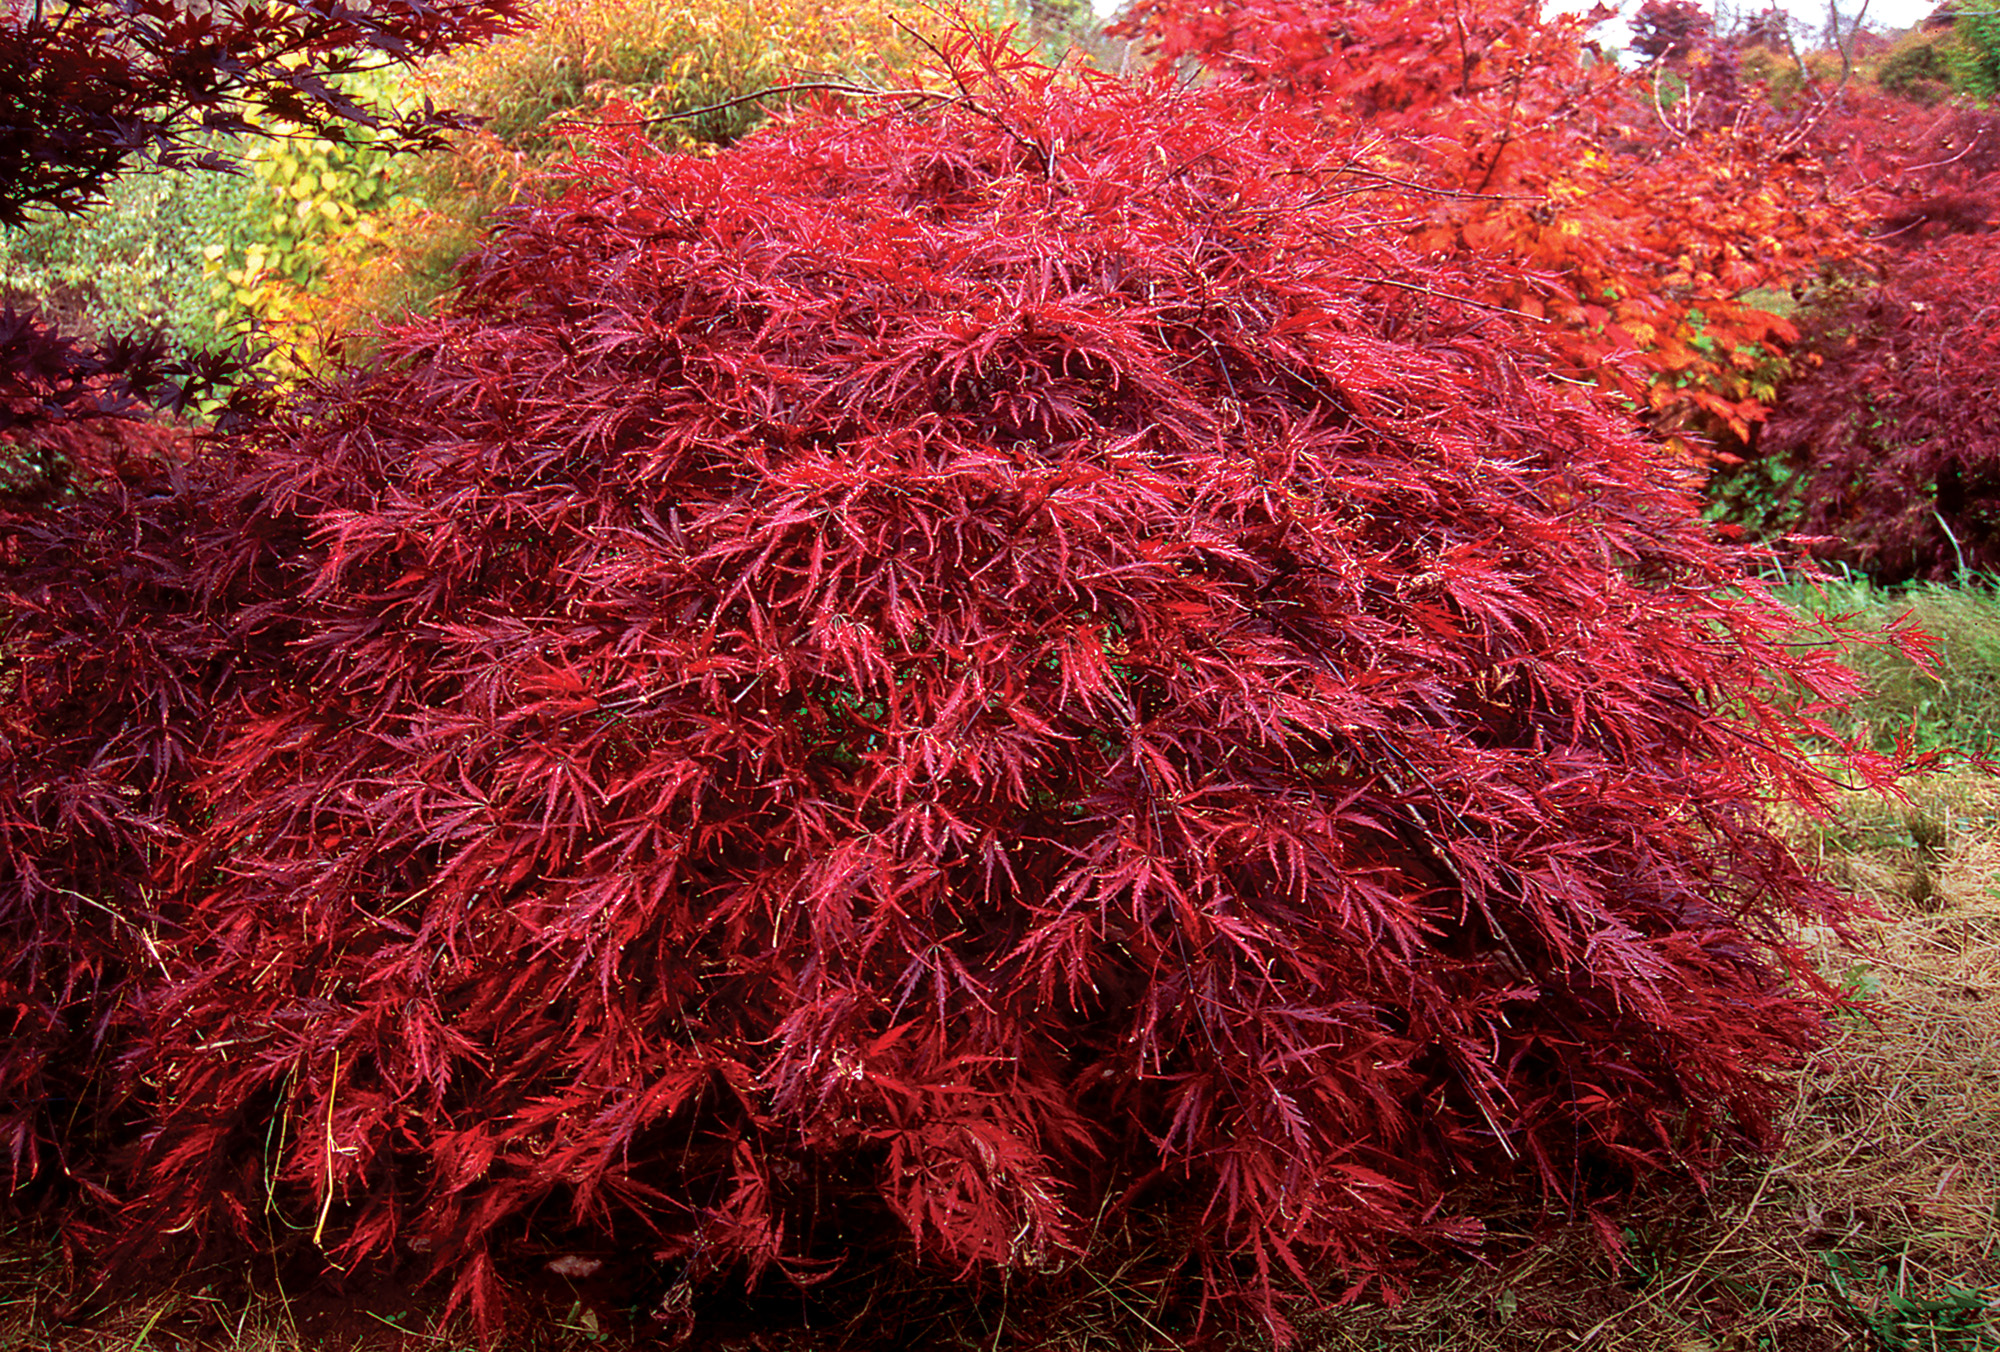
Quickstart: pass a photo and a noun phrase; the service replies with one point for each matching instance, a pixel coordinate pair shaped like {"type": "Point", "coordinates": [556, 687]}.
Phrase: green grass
{"type": "Point", "coordinates": [1952, 700]}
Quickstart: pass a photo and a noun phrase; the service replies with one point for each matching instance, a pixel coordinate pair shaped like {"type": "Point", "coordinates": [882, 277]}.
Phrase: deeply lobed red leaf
{"type": "Point", "coordinates": [1892, 436]}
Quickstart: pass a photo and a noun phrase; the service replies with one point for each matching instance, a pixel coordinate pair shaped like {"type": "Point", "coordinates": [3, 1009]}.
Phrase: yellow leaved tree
{"type": "Point", "coordinates": [693, 70]}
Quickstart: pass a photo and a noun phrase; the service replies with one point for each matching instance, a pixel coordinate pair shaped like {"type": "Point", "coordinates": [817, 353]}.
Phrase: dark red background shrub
{"type": "Point", "coordinates": [1892, 436]}
{"type": "Point", "coordinates": [933, 677]}
{"type": "Point", "coordinates": [1923, 172]}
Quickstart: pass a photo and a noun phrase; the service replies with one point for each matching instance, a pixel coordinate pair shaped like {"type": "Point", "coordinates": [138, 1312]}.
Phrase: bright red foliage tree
{"type": "Point", "coordinates": [1635, 213]}
{"type": "Point", "coordinates": [922, 678]}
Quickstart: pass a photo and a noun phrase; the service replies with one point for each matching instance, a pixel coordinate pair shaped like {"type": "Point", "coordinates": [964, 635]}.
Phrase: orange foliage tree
{"type": "Point", "coordinates": [1637, 213]}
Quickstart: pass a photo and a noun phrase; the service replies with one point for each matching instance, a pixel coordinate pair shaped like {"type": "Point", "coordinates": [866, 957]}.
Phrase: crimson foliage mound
{"type": "Point", "coordinates": [939, 676]}
{"type": "Point", "coordinates": [1892, 438]}
{"type": "Point", "coordinates": [110, 669]}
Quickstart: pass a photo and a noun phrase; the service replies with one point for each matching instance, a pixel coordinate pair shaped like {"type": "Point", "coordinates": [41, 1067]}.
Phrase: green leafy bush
{"type": "Point", "coordinates": [1975, 51]}
{"type": "Point", "coordinates": [1918, 68]}
{"type": "Point", "coordinates": [132, 262]}
{"type": "Point", "coordinates": [315, 206]}
{"type": "Point", "coordinates": [212, 259]}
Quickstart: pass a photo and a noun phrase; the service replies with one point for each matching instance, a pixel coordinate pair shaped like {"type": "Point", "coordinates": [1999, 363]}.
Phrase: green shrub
{"type": "Point", "coordinates": [1917, 68]}
{"type": "Point", "coordinates": [1974, 53]}
{"type": "Point", "coordinates": [134, 261]}
{"type": "Point", "coordinates": [212, 258]}
{"type": "Point", "coordinates": [309, 209]}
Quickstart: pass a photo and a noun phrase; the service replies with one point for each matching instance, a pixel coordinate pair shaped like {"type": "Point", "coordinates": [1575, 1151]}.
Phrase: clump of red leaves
{"type": "Point", "coordinates": [933, 675]}
{"type": "Point", "coordinates": [111, 667]}
{"type": "Point", "coordinates": [1893, 435]}
{"type": "Point", "coordinates": [1924, 173]}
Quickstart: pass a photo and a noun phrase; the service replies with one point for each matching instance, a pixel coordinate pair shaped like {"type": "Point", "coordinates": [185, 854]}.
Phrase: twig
{"type": "Point", "coordinates": [326, 1202]}
{"type": "Point", "coordinates": [1153, 1328]}
{"type": "Point", "coordinates": [1046, 153]}
{"type": "Point", "coordinates": [1376, 175]}
{"type": "Point", "coordinates": [407, 1333]}
{"type": "Point", "coordinates": [1506, 132]}
{"type": "Point", "coordinates": [1458, 300]}
{"type": "Point", "coordinates": [145, 939]}
{"type": "Point", "coordinates": [1847, 46]}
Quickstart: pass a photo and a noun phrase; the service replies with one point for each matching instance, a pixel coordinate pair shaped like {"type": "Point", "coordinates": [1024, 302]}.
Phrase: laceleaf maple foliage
{"type": "Point", "coordinates": [1636, 213]}
{"type": "Point", "coordinates": [46, 462]}
{"type": "Point", "coordinates": [1923, 172]}
{"type": "Point", "coordinates": [937, 674]}
{"type": "Point", "coordinates": [1892, 436]}
{"type": "Point", "coordinates": [111, 669]}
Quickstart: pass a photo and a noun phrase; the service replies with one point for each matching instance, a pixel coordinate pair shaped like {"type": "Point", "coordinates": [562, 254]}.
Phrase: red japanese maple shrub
{"type": "Point", "coordinates": [45, 462]}
{"type": "Point", "coordinates": [943, 673]}
{"type": "Point", "coordinates": [1923, 173]}
{"type": "Point", "coordinates": [112, 668]}
{"type": "Point", "coordinates": [1892, 437]}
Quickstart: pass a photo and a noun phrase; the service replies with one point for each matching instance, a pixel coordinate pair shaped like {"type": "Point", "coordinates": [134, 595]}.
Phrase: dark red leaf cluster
{"type": "Point", "coordinates": [66, 402]}
{"type": "Point", "coordinates": [110, 672]}
{"type": "Point", "coordinates": [91, 86]}
{"type": "Point", "coordinates": [904, 688]}
{"type": "Point", "coordinates": [1669, 30]}
{"type": "Point", "coordinates": [1915, 176]}
{"type": "Point", "coordinates": [1925, 172]}
{"type": "Point", "coordinates": [49, 461]}
{"type": "Point", "coordinates": [1892, 437]}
